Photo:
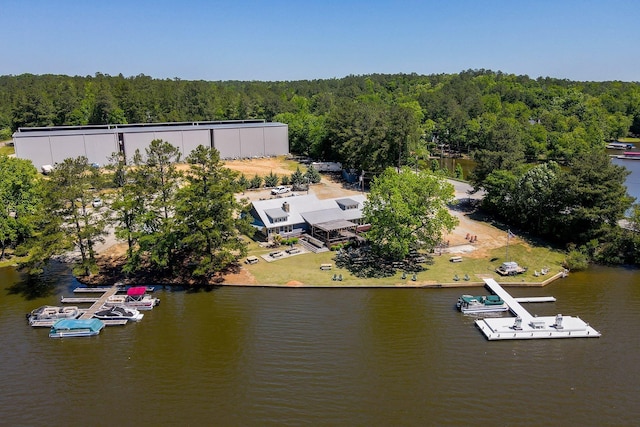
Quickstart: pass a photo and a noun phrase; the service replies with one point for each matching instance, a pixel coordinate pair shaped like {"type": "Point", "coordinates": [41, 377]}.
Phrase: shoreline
{"type": "Point", "coordinates": [527, 284]}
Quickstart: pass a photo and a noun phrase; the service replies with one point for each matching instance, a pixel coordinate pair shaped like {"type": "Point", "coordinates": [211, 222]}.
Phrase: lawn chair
{"type": "Point", "coordinates": [466, 277]}
{"type": "Point", "coordinates": [335, 277]}
{"type": "Point", "coordinates": [456, 278]}
{"type": "Point", "coordinates": [414, 278]}
{"type": "Point", "coordinates": [340, 278]}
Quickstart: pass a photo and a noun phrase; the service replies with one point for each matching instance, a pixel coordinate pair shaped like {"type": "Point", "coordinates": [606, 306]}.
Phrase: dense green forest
{"type": "Point", "coordinates": [393, 114]}
{"type": "Point", "coordinates": [538, 143]}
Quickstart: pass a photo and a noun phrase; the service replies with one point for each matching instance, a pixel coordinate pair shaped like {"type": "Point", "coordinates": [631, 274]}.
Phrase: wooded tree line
{"type": "Point", "coordinates": [543, 138]}
{"type": "Point", "coordinates": [386, 117]}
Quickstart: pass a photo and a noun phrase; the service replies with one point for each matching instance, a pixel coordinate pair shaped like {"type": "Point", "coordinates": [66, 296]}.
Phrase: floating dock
{"type": "Point", "coordinates": [535, 299]}
{"type": "Point", "coordinates": [78, 300]}
{"type": "Point", "coordinates": [102, 289]}
{"type": "Point", "coordinates": [49, 323]}
{"type": "Point", "coordinates": [526, 326]}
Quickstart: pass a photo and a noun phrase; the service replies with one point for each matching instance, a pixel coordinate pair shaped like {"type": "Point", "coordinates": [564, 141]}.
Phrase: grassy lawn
{"type": "Point", "coordinates": [305, 268]}
{"type": "Point", "coordinates": [6, 150]}
{"type": "Point", "coordinates": [629, 140]}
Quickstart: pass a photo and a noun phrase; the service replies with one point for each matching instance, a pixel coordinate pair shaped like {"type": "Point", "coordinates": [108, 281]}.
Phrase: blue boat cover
{"type": "Point", "coordinates": [93, 324]}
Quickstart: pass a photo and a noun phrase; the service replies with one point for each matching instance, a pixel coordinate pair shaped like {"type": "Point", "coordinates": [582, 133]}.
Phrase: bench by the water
{"type": "Point", "coordinates": [325, 266]}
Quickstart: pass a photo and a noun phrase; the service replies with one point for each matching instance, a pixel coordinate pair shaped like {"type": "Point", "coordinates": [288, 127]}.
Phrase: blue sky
{"type": "Point", "coordinates": [295, 40]}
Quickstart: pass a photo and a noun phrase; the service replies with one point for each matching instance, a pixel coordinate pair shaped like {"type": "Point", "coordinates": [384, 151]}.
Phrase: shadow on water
{"type": "Point", "coordinates": [43, 285]}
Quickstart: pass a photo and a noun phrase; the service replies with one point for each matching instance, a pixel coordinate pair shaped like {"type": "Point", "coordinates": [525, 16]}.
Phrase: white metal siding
{"type": "Point", "coordinates": [100, 148]}
{"type": "Point", "coordinates": [172, 137]}
{"type": "Point", "coordinates": [227, 142]}
{"type": "Point", "coordinates": [193, 138]}
{"type": "Point", "coordinates": [249, 140]}
{"type": "Point", "coordinates": [137, 141]}
{"type": "Point", "coordinates": [66, 147]}
{"type": "Point", "coordinates": [276, 140]}
{"type": "Point", "coordinates": [252, 142]}
{"type": "Point", "coordinates": [36, 149]}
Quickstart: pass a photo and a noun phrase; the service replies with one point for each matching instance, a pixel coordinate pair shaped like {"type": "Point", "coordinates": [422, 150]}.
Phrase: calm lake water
{"type": "Point", "coordinates": [633, 180]}
{"type": "Point", "coordinates": [366, 357]}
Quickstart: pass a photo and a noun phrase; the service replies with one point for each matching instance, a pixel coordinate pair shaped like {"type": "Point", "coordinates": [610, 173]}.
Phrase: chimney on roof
{"type": "Point", "coordinates": [285, 207]}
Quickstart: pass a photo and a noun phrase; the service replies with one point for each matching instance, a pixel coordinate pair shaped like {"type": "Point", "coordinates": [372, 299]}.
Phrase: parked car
{"type": "Point", "coordinates": [97, 202]}
{"type": "Point", "coordinates": [281, 189]}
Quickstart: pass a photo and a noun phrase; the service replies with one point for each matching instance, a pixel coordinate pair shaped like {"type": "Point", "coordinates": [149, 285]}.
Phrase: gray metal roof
{"type": "Point", "coordinates": [347, 203]}
{"type": "Point", "coordinates": [325, 215]}
{"type": "Point", "coordinates": [307, 208]}
{"type": "Point", "coordinates": [276, 213]}
{"type": "Point", "coordinates": [338, 224]}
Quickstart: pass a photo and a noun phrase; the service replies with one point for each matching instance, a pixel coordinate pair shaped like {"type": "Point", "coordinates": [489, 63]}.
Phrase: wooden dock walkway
{"type": "Point", "coordinates": [99, 303]}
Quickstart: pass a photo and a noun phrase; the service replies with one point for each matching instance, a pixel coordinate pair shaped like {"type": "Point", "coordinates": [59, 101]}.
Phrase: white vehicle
{"type": "Point", "coordinates": [97, 202]}
{"type": "Point", "coordinates": [281, 189]}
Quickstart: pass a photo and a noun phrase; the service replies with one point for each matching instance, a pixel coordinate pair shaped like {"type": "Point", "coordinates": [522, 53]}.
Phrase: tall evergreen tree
{"type": "Point", "coordinates": [208, 217]}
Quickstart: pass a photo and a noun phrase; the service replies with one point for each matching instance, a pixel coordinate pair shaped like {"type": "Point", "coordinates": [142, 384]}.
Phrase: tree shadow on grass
{"type": "Point", "coordinates": [363, 263]}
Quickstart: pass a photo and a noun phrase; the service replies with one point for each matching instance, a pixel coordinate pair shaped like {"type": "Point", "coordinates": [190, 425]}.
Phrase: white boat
{"type": "Point", "coordinates": [136, 297]}
{"type": "Point", "coordinates": [76, 328]}
{"type": "Point", "coordinates": [118, 312]}
{"type": "Point", "coordinates": [50, 312]}
{"type": "Point", "coordinates": [481, 304]}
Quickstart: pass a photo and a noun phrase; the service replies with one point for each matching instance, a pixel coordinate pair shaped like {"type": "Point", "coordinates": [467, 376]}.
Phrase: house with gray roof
{"type": "Point", "coordinates": [330, 221]}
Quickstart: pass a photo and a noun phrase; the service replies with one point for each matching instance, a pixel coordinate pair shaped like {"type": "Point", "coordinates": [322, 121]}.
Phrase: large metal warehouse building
{"type": "Point", "coordinates": [233, 139]}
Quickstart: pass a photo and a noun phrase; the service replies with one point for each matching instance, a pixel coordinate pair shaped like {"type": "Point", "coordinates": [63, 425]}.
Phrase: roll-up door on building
{"type": "Point", "coordinates": [193, 138]}
{"type": "Point", "coordinates": [37, 149]}
{"type": "Point", "coordinates": [276, 140]}
{"type": "Point", "coordinates": [99, 148]}
{"type": "Point", "coordinates": [227, 142]}
{"type": "Point", "coordinates": [252, 142]}
{"type": "Point", "coordinates": [67, 147]}
{"type": "Point", "coordinates": [137, 141]}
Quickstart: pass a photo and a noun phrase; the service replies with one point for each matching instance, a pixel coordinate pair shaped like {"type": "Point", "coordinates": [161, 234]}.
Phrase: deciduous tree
{"type": "Point", "coordinates": [407, 211]}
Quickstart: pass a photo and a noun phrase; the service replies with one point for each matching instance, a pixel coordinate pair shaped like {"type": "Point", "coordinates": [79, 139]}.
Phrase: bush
{"type": "Point", "coordinates": [271, 180]}
{"type": "Point", "coordinates": [312, 175]}
{"type": "Point", "coordinates": [290, 241]}
{"type": "Point", "coordinates": [576, 260]}
{"type": "Point", "coordinates": [256, 181]}
{"type": "Point", "coordinates": [243, 182]}
{"type": "Point", "coordinates": [5, 134]}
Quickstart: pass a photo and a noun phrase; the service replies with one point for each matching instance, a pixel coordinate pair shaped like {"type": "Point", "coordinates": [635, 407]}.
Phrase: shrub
{"type": "Point", "coordinates": [271, 180]}
{"type": "Point", "coordinates": [256, 181]}
{"type": "Point", "coordinates": [243, 182]}
{"type": "Point", "coordinates": [576, 260]}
